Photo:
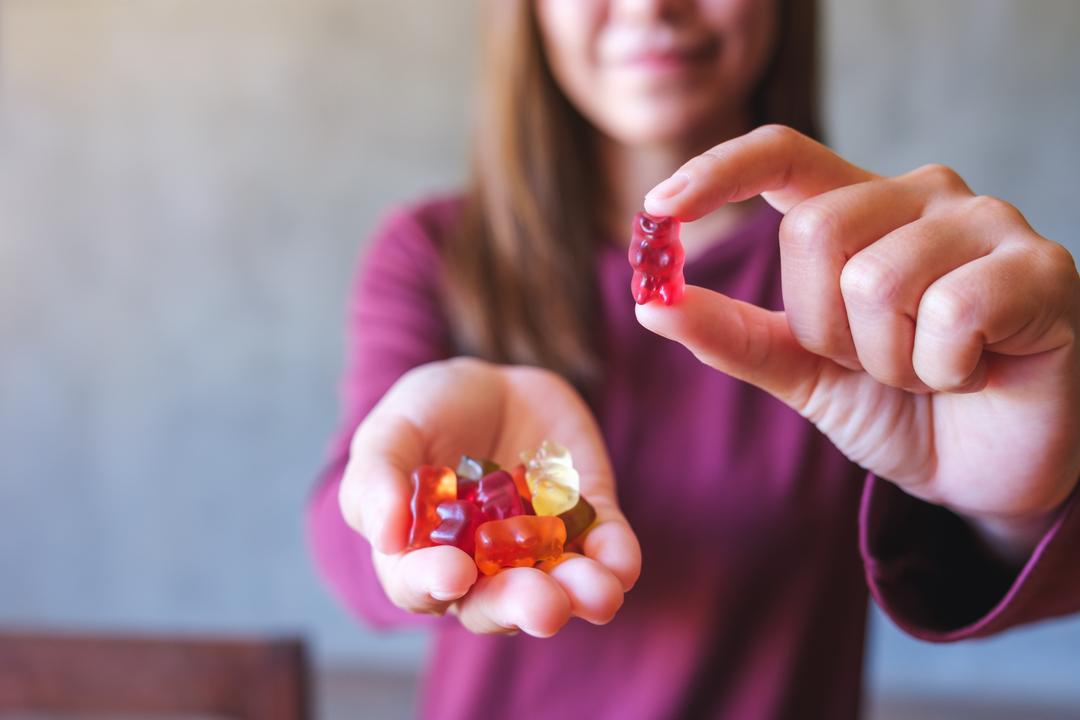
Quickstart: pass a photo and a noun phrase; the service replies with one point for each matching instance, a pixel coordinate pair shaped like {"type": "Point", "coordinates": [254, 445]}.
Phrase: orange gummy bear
{"type": "Point", "coordinates": [431, 486]}
{"type": "Point", "coordinates": [520, 541]}
{"type": "Point", "coordinates": [518, 474]}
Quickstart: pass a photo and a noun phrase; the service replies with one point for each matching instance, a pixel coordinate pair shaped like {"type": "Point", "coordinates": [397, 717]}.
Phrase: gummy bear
{"type": "Point", "coordinates": [520, 541]}
{"type": "Point", "coordinates": [431, 486]}
{"type": "Point", "coordinates": [469, 472]}
{"type": "Point", "coordinates": [552, 479]}
{"type": "Point", "coordinates": [518, 473]}
{"type": "Point", "coordinates": [459, 521]}
{"type": "Point", "coordinates": [657, 257]}
{"type": "Point", "coordinates": [498, 497]}
{"type": "Point", "coordinates": [578, 519]}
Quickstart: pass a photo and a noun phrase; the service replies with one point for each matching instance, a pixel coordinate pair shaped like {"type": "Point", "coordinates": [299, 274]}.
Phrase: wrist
{"type": "Point", "coordinates": [1013, 539]}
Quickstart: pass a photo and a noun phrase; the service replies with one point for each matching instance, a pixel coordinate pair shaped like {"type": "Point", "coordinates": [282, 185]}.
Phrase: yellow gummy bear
{"type": "Point", "coordinates": [552, 479]}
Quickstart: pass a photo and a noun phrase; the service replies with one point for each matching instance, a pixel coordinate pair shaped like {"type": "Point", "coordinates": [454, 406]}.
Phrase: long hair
{"type": "Point", "coordinates": [520, 274]}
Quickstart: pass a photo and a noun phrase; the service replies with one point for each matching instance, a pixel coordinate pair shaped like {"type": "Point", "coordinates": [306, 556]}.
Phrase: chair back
{"type": "Point", "coordinates": [144, 675]}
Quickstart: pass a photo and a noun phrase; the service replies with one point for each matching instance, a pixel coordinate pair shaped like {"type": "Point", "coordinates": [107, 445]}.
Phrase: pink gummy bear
{"type": "Point", "coordinates": [657, 258]}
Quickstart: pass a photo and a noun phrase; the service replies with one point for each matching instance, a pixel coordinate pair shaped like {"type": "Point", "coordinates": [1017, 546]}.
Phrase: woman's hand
{"type": "Point", "coordinates": [930, 333]}
{"type": "Point", "coordinates": [432, 415]}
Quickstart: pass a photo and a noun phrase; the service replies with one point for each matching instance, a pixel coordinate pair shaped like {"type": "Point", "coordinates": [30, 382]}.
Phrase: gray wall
{"type": "Point", "coordinates": [185, 187]}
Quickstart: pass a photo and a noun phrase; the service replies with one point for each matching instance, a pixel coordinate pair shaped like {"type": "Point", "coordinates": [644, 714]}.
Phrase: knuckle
{"type": "Point", "coordinates": [944, 177]}
{"type": "Point", "coordinates": [810, 226]}
{"type": "Point", "coordinates": [757, 345]}
{"type": "Point", "coordinates": [995, 210]}
{"type": "Point", "coordinates": [868, 281]}
{"type": "Point", "coordinates": [1060, 261]}
{"type": "Point", "coordinates": [1052, 261]}
{"type": "Point", "coordinates": [1062, 270]}
{"type": "Point", "coordinates": [709, 157]}
{"type": "Point", "coordinates": [946, 311]}
{"type": "Point", "coordinates": [776, 132]}
{"type": "Point", "coordinates": [1055, 273]}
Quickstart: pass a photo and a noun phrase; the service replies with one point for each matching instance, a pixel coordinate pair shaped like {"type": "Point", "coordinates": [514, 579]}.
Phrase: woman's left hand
{"type": "Point", "coordinates": [931, 334]}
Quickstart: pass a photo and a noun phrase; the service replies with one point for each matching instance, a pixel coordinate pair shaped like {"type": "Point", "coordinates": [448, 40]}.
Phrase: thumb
{"type": "Point", "coordinates": [741, 340]}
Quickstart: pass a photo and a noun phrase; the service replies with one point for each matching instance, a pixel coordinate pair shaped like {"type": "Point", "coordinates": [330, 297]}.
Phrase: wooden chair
{"type": "Point", "coordinates": [242, 678]}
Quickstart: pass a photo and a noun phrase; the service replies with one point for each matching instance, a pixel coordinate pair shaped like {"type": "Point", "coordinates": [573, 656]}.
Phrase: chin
{"type": "Point", "coordinates": [662, 124]}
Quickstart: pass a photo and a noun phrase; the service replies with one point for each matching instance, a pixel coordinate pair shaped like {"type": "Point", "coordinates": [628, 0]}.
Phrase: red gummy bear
{"type": "Point", "coordinates": [498, 496]}
{"type": "Point", "coordinates": [657, 258]}
{"type": "Point", "coordinates": [459, 520]}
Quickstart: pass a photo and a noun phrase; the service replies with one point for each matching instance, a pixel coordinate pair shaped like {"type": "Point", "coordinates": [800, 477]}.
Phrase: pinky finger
{"type": "Point", "coordinates": [1001, 302]}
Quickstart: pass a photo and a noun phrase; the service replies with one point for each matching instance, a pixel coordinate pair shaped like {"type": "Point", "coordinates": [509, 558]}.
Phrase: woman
{"type": "Point", "coordinates": [929, 336]}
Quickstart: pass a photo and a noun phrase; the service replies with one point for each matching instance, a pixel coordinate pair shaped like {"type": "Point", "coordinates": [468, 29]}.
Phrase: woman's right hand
{"type": "Point", "coordinates": [441, 410]}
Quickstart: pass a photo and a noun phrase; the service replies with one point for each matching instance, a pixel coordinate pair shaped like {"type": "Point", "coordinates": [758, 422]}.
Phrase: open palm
{"type": "Point", "coordinates": [434, 414]}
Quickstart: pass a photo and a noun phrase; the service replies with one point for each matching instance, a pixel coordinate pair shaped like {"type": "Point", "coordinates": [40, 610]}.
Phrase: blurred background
{"type": "Point", "coordinates": [186, 186]}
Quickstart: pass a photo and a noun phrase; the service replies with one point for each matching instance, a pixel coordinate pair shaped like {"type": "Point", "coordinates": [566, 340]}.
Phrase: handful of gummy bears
{"type": "Point", "coordinates": [502, 518]}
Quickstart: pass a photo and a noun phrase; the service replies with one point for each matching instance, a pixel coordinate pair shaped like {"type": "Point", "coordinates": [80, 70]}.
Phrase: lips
{"type": "Point", "coordinates": [671, 56]}
{"type": "Point", "coordinates": [658, 49]}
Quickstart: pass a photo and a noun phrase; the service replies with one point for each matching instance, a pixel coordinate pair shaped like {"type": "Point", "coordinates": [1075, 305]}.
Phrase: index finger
{"type": "Point", "coordinates": [783, 166]}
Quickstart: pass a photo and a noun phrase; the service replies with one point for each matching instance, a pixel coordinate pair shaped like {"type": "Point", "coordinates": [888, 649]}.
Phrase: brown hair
{"type": "Point", "coordinates": [520, 272]}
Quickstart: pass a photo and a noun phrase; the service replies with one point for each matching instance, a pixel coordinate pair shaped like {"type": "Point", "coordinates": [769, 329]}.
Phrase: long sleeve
{"type": "Point", "coordinates": [395, 323]}
{"type": "Point", "coordinates": [929, 572]}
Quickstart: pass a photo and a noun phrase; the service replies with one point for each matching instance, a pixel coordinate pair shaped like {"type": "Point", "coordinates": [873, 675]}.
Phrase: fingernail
{"type": "Point", "coordinates": [670, 187]}
{"type": "Point", "coordinates": [444, 595]}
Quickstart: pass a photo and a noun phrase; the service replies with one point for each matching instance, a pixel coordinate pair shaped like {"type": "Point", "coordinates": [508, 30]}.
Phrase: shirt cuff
{"type": "Point", "coordinates": [932, 575]}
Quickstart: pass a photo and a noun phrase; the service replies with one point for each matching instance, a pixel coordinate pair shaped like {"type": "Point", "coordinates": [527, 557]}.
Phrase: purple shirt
{"type": "Point", "coordinates": [759, 537]}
